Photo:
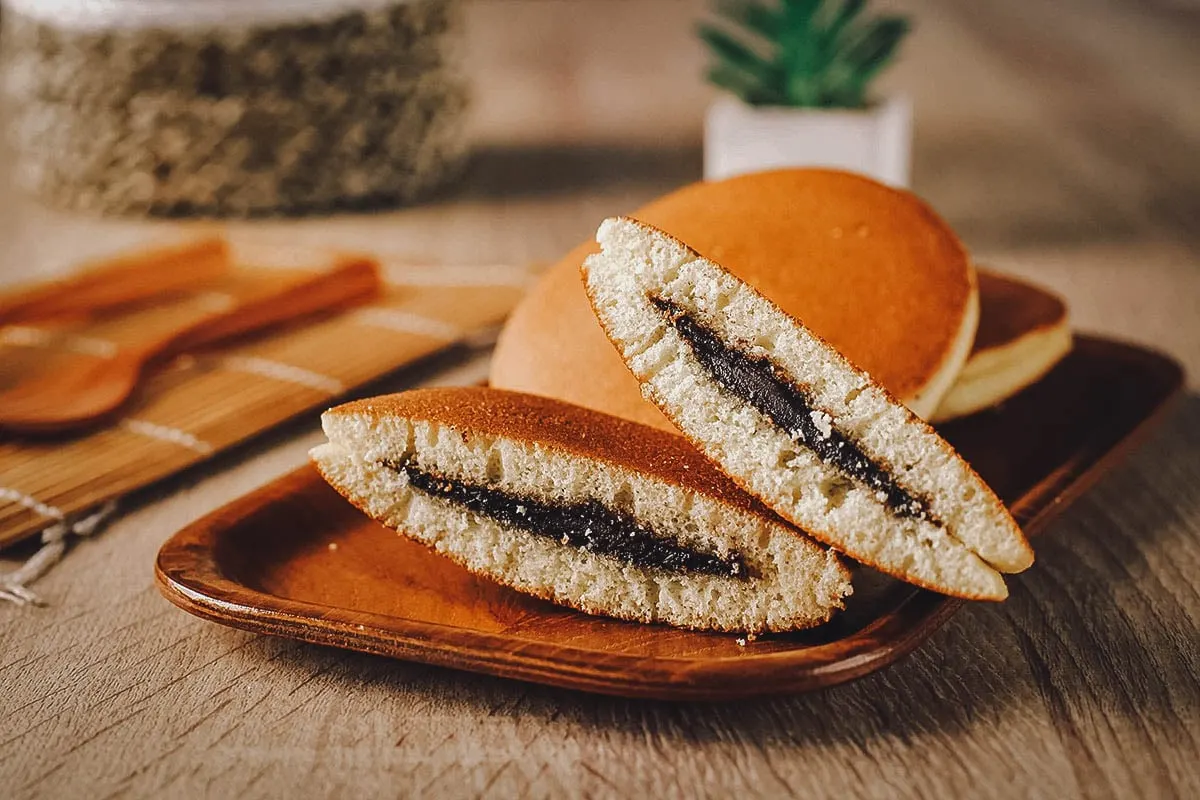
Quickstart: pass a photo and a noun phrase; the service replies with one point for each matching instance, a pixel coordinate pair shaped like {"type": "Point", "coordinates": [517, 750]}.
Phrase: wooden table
{"type": "Point", "coordinates": [1059, 138]}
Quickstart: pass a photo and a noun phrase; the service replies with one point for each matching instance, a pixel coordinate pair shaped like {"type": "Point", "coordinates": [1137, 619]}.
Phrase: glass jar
{"type": "Point", "coordinates": [233, 107]}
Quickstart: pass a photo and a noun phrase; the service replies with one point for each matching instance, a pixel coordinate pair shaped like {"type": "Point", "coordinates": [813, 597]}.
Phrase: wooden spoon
{"type": "Point", "coordinates": [96, 385]}
{"type": "Point", "coordinates": [116, 281]}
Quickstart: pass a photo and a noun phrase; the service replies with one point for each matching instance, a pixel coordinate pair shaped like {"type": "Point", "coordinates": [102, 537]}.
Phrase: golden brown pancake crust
{"type": "Point", "coordinates": [871, 269]}
{"type": "Point", "coordinates": [564, 427]}
{"type": "Point", "coordinates": [553, 345]}
{"type": "Point", "coordinates": [1022, 334]}
{"type": "Point", "coordinates": [1010, 309]}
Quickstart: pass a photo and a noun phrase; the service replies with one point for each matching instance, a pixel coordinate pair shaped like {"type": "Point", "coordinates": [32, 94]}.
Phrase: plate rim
{"type": "Point", "coordinates": [187, 574]}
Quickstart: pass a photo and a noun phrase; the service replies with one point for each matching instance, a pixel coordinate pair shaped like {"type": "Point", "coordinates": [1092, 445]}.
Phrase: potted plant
{"type": "Point", "coordinates": [798, 74]}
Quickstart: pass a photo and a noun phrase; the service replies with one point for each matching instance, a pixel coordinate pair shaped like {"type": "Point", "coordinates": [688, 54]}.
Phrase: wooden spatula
{"type": "Point", "coordinates": [117, 281]}
{"type": "Point", "coordinates": [96, 384]}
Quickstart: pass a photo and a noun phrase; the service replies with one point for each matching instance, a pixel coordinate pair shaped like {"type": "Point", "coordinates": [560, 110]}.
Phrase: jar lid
{"type": "Point", "coordinates": [125, 14]}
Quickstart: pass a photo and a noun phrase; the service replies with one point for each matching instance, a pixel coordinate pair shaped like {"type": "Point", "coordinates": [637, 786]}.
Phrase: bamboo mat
{"type": "Point", "coordinates": [202, 403]}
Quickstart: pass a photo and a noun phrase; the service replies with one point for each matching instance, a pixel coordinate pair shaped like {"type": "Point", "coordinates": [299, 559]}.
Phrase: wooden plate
{"type": "Point", "coordinates": [294, 559]}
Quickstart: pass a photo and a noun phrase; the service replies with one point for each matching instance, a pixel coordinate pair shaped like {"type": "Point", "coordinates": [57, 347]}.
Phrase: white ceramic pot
{"type": "Point", "coordinates": [876, 141]}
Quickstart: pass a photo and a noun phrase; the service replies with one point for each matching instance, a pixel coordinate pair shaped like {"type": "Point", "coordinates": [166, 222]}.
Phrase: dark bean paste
{"type": "Point", "coordinates": [757, 381]}
{"type": "Point", "coordinates": [588, 526]}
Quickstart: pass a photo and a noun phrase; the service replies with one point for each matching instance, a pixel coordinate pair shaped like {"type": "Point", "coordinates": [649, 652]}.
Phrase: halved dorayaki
{"type": "Point", "coordinates": [578, 507]}
{"type": "Point", "coordinates": [791, 420]}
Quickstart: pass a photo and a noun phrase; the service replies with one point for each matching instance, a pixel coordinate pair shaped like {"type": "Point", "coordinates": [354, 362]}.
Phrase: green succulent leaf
{"type": "Point", "coordinates": [732, 52]}
{"type": "Point", "coordinates": [842, 17]}
{"type": "Point", "coordinates": [877, 45]}
{"type": "Point", "coordinates": [801, 12]}
{"type": "Point", "coordinates": [768, 23]}
{"type": "Point", "coordinates": [752, 92]}
{"type": "Point", "coordinates": [820, 53]}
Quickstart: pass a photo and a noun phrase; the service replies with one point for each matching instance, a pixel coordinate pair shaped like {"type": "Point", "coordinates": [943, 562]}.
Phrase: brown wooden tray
{"type": "Point", "coordinates": [294, 559]}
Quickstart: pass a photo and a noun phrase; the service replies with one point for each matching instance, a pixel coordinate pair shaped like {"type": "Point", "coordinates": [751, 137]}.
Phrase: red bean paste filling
{"type": "Point", "coordinates": [757, 381]}
{"type": "Point", "coordinates": [588, 526]}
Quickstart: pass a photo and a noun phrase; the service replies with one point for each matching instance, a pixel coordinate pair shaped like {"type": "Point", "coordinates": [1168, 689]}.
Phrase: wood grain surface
{"type": "Point", "coordinates": [1060, 140]}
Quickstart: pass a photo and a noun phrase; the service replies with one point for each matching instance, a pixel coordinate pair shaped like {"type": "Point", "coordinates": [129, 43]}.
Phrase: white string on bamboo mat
{"type": "Point", "coordinates": [14, 586]}
{"type": "Point", "coordinates": [29, 336]}
{"type": "Point", "coordinates": [401, 274]}
{"type": "Point", "coordinates": [288, 373]}
{"type": "Point", "coordinates": [393, 319]}
{"type": "Point", "coordinates": [31, 503]}
{"type": "Point", "coordinates": [165, 433]}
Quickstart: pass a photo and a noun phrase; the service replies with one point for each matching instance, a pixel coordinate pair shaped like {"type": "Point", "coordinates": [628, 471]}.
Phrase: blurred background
{"type": "Point", "coordinates": [1059, 139]}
